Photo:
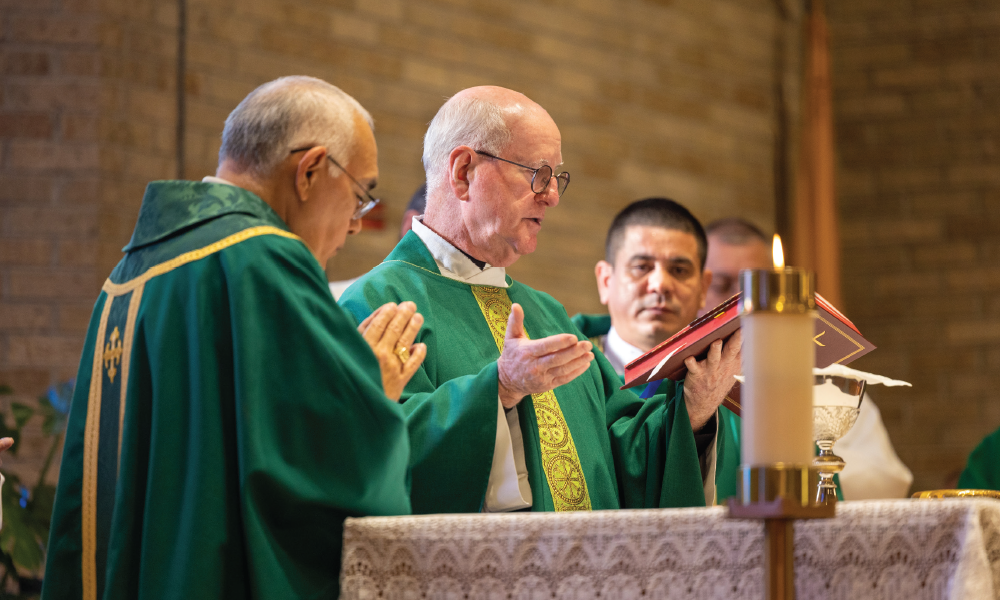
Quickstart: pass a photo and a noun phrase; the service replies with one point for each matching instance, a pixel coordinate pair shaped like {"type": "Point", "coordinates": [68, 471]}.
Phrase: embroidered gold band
{"type": "Point", "coordinates": [560, 461]}
{"type": "Point", "coordinates": [109, 355]}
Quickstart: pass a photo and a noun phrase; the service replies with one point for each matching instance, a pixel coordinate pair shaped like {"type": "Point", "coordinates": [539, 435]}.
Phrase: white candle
{"type": "Point", "coordinates": [778, 358]}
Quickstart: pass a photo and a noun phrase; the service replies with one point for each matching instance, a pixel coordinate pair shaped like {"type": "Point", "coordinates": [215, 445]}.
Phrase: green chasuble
{"type": "Point", "coordinates": [227, 416]}
{"type": "Point", "coordinates": [982, 472]}
{"type": "Point", "coordinates": [727, 443]}
{"type": "Point", "coordinates": [634, 453]}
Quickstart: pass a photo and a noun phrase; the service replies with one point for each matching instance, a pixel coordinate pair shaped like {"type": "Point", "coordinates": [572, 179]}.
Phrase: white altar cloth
{"type": "Point", "coordinates": [888, 549]}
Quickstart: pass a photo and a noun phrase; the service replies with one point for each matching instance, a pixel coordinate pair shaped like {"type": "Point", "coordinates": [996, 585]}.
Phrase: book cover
{"type": "Point", "coordinates": [837, 341]}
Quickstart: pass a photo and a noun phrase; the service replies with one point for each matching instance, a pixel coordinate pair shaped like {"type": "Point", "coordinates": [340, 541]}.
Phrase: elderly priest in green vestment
{"type": "Point", "coordinates": [228, 415]}
{"type": "Point", "coordinates": [511, 409]}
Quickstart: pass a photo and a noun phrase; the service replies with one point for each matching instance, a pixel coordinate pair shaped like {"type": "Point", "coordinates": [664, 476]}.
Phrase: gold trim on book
{"type": "Point", "coordinates": [560, 461]}
{"type": "Point", "coordinates": [91, 440]}
{"type": "Point", "coordinates": [117, 289]}
{"type": "Point", "coordinates": [852, 340]}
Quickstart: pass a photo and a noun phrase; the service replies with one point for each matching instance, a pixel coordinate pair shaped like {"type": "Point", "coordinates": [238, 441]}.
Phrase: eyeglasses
{"type": "Point", "coordinates": [540, 177]}
{"type": "Point", "coordinates": [364, 206]}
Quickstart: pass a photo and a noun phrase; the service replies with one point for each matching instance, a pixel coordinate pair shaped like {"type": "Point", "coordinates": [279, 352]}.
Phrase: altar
{"type": "Point", "coordinates": [890, 549]}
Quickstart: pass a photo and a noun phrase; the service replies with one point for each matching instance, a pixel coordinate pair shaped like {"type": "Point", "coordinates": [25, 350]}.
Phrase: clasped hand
{"type": "Point", "coordinates": [709, 380]}
{"type": "Point", "coordinates": [388, 328]}
{"type": "Point", "coordinates": [528, 366]}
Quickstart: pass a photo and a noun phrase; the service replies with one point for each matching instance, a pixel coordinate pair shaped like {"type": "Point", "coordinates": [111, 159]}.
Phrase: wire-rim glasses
{"type": "Point", "coordinates": [364, 206]}
{"type": "Point", "coordinates": [540, 177]}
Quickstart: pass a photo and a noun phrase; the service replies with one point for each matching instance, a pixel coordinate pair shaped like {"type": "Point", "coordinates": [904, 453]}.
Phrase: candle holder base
{"type": "Point", "coordinates": [778, 491]}
{"type": "Point", "coordinates": [779, 494]}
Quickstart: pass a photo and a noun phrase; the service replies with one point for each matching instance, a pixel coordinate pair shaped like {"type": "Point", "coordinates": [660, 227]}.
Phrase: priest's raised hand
{"type": "Point", "coordinates": [709, 380]}
{"type": "Point", "coordinates": [528, 366]}
{"type": "Point", "coordinates": [390, 332]}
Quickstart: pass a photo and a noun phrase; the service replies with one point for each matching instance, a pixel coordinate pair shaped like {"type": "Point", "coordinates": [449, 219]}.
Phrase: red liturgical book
{"type": "Point", "coordinates": [837, 341]}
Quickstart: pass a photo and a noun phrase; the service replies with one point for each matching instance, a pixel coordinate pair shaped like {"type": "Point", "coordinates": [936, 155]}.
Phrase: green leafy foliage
{"type": "Point", "coordinates": [27, 512]}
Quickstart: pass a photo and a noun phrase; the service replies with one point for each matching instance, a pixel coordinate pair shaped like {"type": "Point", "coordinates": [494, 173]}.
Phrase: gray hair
{"type": "Point", "coordinates": [288, 113]}
{"type": "Point", "coordinates": [464, 121]}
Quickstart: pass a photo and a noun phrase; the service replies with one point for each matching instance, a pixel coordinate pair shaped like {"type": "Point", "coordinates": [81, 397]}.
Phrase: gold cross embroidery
{"type": "Point", "coordinates": [816, 339]}
{"type": "Point", "coordinates": [113, 354]}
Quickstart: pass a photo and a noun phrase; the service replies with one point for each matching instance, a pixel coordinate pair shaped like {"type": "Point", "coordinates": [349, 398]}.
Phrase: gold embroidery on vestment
{"type": "Point", "coordinates": [560, 461]}
{"type": "Point", "coordinates": [91, 439]}
{"type": "Point", "coordinates": [113, 354]}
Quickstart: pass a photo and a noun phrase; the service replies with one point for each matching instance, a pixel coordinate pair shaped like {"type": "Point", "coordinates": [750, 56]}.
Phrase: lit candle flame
{"type": "Point", "coordinates": [777, 254]}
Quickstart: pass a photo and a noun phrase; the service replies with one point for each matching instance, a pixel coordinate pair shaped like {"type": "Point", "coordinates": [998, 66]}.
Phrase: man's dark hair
{"type": "Point", "coordinates": [736, 231]}
{"type": "Point", "coordinates": [654, 212]}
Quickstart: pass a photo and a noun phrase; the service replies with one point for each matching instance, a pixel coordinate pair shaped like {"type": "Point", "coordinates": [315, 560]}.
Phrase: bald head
{"type": "Point", "coordinates": [482, 118]}
{"type": "Point", "coordinates": [481, 154]}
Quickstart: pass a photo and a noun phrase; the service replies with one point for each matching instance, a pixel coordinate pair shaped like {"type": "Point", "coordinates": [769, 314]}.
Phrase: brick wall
{"type": "Point", "coordinates": [665, 98]}
{"type": "Point", "coordinates": [653, 98]}
{"type": "Point", "coordinates": [917, 101]}
{"type": "Point", "coordinates": [50, 87]}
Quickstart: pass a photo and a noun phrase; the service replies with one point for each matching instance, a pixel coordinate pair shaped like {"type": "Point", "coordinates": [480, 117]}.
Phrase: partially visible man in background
{"type": "Point", "coordinates": [873, 469]}
{"type": "Point", "coordinates": [733, 245]}
{"type": "Point", "coordinates": [228, 415]}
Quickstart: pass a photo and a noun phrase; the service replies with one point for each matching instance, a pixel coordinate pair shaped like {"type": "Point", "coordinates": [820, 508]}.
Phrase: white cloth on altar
{"type": "Point", "coordinates": [620, 353]}
{"type": "Point", "coordinates": [873, 470]}
{"type": "Point", "coordinates": [508, 487]}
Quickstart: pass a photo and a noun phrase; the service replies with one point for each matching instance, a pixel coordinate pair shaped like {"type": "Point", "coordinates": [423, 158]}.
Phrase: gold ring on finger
{"type": "Point", "coordinates": [402, 353]}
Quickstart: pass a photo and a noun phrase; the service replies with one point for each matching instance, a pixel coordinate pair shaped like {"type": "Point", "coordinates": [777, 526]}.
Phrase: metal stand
{"type": "Point", "coordinates": [779, 494]}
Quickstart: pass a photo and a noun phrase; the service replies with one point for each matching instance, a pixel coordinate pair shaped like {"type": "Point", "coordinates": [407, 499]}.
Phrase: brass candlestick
{"type": "Point", "coordinates": [776, 483]}
{"type": "Point", "coordinates": [779, 494]}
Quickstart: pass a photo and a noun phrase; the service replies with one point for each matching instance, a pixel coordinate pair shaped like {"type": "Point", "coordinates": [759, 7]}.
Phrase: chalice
{"type": "Point", "coordinates": [836, 404]}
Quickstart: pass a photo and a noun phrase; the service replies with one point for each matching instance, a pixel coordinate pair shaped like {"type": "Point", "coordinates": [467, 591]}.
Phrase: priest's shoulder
{"type": "Point", "coordinates": [241, 242]}
{"type": "Point", "coordinates": [376, 288]}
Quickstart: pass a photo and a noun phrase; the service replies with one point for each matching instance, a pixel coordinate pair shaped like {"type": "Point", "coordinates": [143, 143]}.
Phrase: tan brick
{"type": "Point", "coordinates": [24, 63]}
{"type": "Point", "coordinates": [56, 30]}
{"type": "Point", "coordinates": [957, 253]}
{"type": "Point", "coordinates": [25, 125]}
{"type": "Point", "coordinates": [20, 189]}
{"type": "Point", "coordinates": [18, 317]}
{"type": "Point", "coordinates": [52, 156]}
{"type": "Point", "coordinates": [79, 192]}
{"type": "Point", "coordinates": [81, 63]}
{"type": "Point", "coordinates": [25, 381]}
{"type": "Point", "coordinates": [59, 221]}
{"type": "Point", "coordinates": [75, 317]}
{"type": "Point", "coordinates": [384, 9]}
{"type": "Point", "coordinates": [53, 284]}
{"type": "Point", "coordinates": [50, 95]}
{"type": "Point", "coordinates": [44, 350]}
{"type": "Point", "coordinates": [25, 251]}
{"type": "Point", "coordinates": [973, 332]}
{"type": "Point", "coordinates": [77, 252]}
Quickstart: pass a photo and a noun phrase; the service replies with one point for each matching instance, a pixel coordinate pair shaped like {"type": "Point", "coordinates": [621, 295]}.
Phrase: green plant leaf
{"type": "Point", "coordinates": [21, 412]}
{"type": "Point", "coordinates": [5, 390]}
{"type": "Point", "coordinates": [19, 538]}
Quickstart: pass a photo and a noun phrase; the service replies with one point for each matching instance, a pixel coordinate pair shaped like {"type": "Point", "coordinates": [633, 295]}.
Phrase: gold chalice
{"type": "Point", "coordinates": [836, 404]}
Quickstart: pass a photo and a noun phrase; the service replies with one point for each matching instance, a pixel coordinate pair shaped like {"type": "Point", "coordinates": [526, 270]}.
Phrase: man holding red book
{"type": "Point", "coordinates": [653, 281]}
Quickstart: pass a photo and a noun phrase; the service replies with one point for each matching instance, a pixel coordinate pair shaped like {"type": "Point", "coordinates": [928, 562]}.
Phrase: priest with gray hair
{"type": "Point", "coordinates": [512, 409]}
{"type": "Point", "coordinates": [228, 415]}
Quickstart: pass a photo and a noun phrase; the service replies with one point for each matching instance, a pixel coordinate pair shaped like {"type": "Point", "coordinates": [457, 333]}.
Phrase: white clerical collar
{"type": "Point", "coordinates": [619, 352]}
{"type": "Point", "coordinates": [213, 179]}
{"type": "Point", "coordinates": [453, 263]}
